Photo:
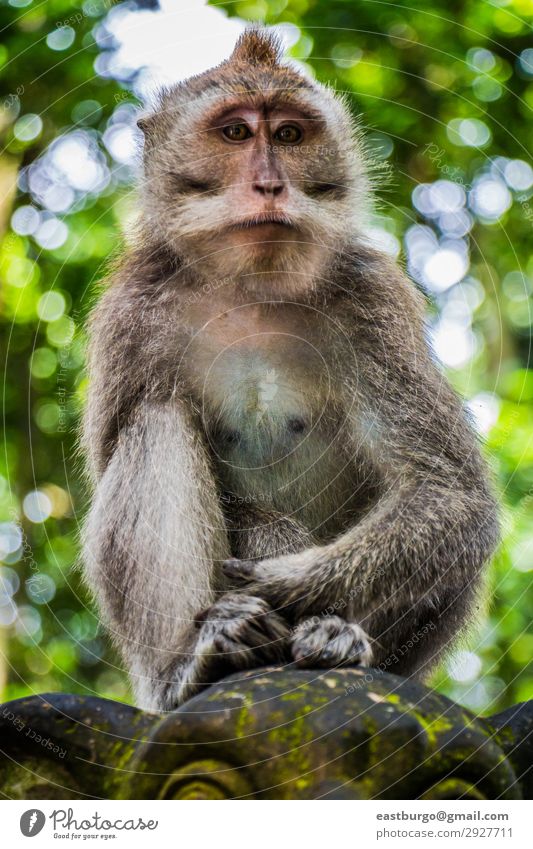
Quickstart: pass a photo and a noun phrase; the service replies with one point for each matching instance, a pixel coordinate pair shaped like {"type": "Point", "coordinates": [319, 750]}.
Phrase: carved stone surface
{"type": "Point", "coordinates": [270, 734]}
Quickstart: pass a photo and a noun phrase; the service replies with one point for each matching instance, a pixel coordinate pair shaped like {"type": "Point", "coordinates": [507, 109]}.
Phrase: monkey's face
{"type": "Point", "coordinates": [254, 147]}
{"type": "Point", "coordinates": [256, 179]}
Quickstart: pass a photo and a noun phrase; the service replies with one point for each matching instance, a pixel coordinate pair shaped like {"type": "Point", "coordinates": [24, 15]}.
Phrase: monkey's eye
{"type": "Point", "coordinates": [237, 132]}
{"type": "Point", "coordinates": [288, 134]}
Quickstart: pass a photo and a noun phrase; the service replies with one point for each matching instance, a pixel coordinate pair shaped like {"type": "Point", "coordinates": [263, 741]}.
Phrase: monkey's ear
{"type": "Point", "coordinates": [258, 46]}
{"type": "Point", "coordinates": [146, 123]}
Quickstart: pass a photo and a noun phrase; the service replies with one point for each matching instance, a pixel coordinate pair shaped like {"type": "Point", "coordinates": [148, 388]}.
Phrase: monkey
{"type": "Point", "coordinates": [282, 473]}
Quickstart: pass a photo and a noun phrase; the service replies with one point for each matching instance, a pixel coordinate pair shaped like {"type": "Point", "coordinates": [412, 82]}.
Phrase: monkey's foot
{"type": "Point", "coordinates": [329, 641]}
{"type": "Point", "coordinates": [238, 632]}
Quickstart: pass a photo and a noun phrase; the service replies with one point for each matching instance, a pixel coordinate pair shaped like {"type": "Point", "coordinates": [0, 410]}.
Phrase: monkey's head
{"type": "Point", "coordinates": [252, 168]}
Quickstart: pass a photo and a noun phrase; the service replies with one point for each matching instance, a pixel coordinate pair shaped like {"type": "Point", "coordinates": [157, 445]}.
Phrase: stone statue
{"type": "Point", "coordinates": [269, 734]}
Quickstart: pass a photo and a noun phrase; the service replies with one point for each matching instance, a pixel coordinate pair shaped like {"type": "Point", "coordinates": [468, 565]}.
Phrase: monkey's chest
{"type": "Point", "coordinates": [260, 406]}
{"type": "Point", "coordinates": [265, 388]}
{"type": "Point", "coordinates": [274, 439]}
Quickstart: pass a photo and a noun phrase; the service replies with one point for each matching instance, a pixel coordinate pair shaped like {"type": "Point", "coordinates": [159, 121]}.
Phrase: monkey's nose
{"type": "Point", "coordinates": [268, 187]}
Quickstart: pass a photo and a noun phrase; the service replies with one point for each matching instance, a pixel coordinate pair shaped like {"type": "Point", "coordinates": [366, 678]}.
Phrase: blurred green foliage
{"type": "Point", "coordinates": [445, 94]}
{"type": "Point", "coordinates": [56, 248]}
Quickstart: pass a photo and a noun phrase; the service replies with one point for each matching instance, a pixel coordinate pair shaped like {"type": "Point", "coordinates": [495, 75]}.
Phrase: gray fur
{"type": "Point", "coordinates": [268, 435]}
{"type": "Point", "coordinates": [329, 641]}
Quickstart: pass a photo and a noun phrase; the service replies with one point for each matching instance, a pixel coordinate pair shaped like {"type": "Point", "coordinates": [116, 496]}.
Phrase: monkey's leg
{"type": "Point", "coordinates": [410, 639]}
{"type": "Point", "coordinates": [152, 542]}
{"type": "Point", "coordinates": [392, 580]}
{"type": "Point", "coordinates": [407, 642]}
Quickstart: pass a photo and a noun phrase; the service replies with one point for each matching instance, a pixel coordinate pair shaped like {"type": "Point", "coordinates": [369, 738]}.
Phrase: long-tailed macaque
{"type": "Point", "coordinates": [282, 474]}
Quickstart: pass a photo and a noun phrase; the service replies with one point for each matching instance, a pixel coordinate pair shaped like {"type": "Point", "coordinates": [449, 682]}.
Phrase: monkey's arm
{"type": "Point", "coordinates": [414, 560]}
{"type": "Point", "coordinates": [153, 538]}
{"type": "Point", "coordinates": [155, 534]}
{"type": "Point", "coordinates": [153, 542]}
{"type": "Point", "coordinates": [417, 555]}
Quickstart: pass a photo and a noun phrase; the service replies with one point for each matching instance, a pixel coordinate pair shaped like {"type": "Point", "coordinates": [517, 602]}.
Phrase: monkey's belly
{"type": "Point", "coordinates": [294, 471]}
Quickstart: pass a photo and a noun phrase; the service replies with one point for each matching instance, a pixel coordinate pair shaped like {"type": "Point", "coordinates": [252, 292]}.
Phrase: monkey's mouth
{"type": "Point", "coordinates": [265, 220]}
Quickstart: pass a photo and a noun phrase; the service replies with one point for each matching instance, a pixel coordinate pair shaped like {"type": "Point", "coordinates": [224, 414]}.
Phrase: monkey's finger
{"type": "Point", "coordinates": [230, 648]}
{"type": "Point", "coordinates": [201, 617]}
{"type": "Point", "coordinates": [267, 629]}
{"type": "Point", "coordinates": [238, 569]}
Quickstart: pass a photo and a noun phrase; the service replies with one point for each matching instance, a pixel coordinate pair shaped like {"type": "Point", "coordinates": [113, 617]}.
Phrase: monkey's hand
{"type": "Point", "coordinates": [242, 630]}
{"type": "Point", "coordinates": [238, 632]}
{"type": "Point", "coordinates": [297, 582]}
{"type": "Point", "coordinates": [329, 641]}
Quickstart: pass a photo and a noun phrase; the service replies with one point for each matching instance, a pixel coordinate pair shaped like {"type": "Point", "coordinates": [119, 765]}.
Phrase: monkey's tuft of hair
{"type": "Point", "coordinates": [257, 46]}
